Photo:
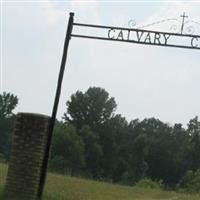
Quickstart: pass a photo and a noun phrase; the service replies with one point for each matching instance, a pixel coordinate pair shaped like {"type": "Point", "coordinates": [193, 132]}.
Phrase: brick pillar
{"type": "Point", "coordinates": [27, 153]}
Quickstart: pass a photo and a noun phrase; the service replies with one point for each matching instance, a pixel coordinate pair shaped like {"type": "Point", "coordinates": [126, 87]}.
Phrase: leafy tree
{"type": "Point", "coordinates": [8, 102]}
{"type": "Point", "coordinates": [194, 144]}
{"type": "Point", "coordinates": [114, 141]}
{"type": "Point", "coordinates": [67, 150]}
{"type": "Point", "coordinates": [194, 127]}
{"type": "Point", "coordinates": [190, 182]}
{"type": "Point", "coordinates": [179, 145]}
{"type": "Point", "coordinates": [92, 108]}
{"type": "Point", "coordinates": [93, 151]}
{"type": "Point", "coordinates": [160, 148]}
{"type": "Point", "coordinates": [138, 165]}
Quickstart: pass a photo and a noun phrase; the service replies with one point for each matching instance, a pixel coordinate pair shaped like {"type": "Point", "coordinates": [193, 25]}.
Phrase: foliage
{"type": "Point", "coordinates": [8, 102]}
{"type": "Point", "coordinates": [93, 141]}
{"type": "Point", "coordinates": [91, 108]}
{"type": "Point", "coordinates": [148, 183]}
{"type": "Point", "coordinates": [93, 151]}
{"type": "Point", "coordinates": [67, 150]}
{"type": "Point", "coordinates": [193, 161]}
{"type": "Point", "coordinates": [190, 181]}
{"type": "Point", "coordinates": [118, 151]}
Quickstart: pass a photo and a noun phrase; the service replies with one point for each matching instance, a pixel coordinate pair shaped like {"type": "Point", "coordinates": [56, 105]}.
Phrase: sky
{"type": "Point", "coordinates": [145, 81]}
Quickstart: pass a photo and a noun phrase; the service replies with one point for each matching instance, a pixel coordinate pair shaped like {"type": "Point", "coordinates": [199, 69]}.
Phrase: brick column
{"type": "Point", "coordinates": [27, 153]}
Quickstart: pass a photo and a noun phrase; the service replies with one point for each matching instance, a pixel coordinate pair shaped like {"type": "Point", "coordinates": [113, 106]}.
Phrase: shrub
{"type": "Point", "coordinates": [148, 183]}
{"type": "Point", "coordinates": [190, 182]}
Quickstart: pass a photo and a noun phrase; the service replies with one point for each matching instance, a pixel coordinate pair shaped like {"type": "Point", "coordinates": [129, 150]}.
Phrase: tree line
{"type": "Point", "coordinates": [93, 141]}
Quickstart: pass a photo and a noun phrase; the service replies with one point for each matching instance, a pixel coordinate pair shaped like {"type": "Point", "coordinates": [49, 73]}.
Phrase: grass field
{"type": "Point", "coordinates": [68, 188]}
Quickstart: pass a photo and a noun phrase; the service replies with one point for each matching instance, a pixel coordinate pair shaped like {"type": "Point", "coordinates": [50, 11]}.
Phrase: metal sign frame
{"type": "Point", "coordinates": [194, 39]}
{"type": "Point", "coordinates": [69, 35]}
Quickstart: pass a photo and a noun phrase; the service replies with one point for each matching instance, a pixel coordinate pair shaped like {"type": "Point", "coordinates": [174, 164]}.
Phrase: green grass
{"type": "Point", "coordinates": [3, 171]}
{"type": "Point", "coordinates": [69, 188]}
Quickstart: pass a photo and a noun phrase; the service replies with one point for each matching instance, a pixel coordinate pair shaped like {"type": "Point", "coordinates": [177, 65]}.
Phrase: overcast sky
{"type": "Point", "coordinates": [146, 81]}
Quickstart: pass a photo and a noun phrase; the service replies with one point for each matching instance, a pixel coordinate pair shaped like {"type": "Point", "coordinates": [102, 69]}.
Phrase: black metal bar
{"type": "Point", "coordinates": [132, 29]}
{"type": "Point", "coordinates": [55, 107]}
{"type": "Point", "coordinates": [132, 41]}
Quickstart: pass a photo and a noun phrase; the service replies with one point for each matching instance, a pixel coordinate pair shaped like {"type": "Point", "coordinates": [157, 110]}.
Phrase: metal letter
{"type": "Point", "coordinates": [148, 38]}
{"type": "Point", "coordinates": [166, 36]}
{"type": "Point", "coordinates": [109, 33]}
{"type": "Point", "coordinates": [192, 41]}
{"type": "Point", "coordinates": [139, 36]}
{"type": "Point", "coordinates": [157, 38]}
{"type": "Point", "coordinates": [120, 35]}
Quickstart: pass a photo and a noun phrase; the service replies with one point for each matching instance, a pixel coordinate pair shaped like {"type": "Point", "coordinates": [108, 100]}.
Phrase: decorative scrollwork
{"type": "Point", "coordinates": [187, 28]}
{"type": "Point", "coordinates": [181, 26]}
{"type": "Point", "coordinates": [174, 28]}
{"type": "Point", "coordinates": [132, 23]}
{"type": "Point", "coordinates": [190, 30]}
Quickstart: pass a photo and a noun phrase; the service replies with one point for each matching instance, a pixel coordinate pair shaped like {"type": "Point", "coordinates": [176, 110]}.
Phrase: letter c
{"type": "Point", "coordinates": [192, 41]}
{"type": "Point", "coordinates": [109, 33]}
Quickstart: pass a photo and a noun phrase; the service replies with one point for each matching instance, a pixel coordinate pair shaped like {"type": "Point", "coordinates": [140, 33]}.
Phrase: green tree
{"type": "Point", "coordinates": [190, 181]}
{"type": "Point", "coordinates": [8, 102]}
{"type": "Point", "coordinates": [178, 148]}
{"type": "Point", "coordinates": [67, 153]}
{"type": "Point", "coordinates": [138, 165]}
{"type": "Point", "coordinates": [93, 151]}
{"type": "Point", "coordinates": [92, 108]}
{"type": "Point", "coordinates": [194, 144]}
{"type": "Point", "coordinates": [160, 144]}
{"type": "Point", "coordinates": [114, 141]}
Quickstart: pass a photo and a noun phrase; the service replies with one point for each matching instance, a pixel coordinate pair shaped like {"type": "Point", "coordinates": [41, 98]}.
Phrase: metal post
{"type": "Point", "coordinates": [55, 107]}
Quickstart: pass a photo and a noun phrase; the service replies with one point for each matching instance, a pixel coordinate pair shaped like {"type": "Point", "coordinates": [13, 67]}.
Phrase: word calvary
{"type": "Point", "coordinates": [140, 36]}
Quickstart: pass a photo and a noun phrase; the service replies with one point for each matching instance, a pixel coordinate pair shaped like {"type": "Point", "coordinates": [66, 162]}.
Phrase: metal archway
{"type": "Point", "coordinates": [120, 34]}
